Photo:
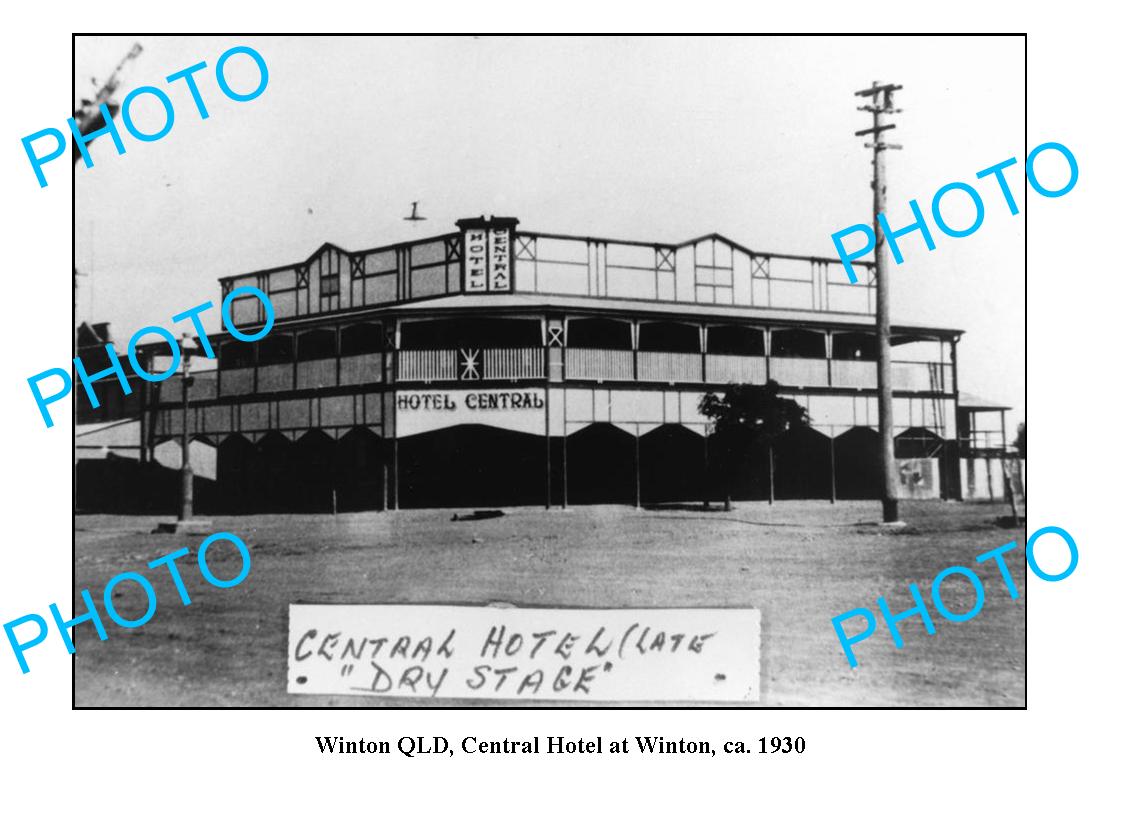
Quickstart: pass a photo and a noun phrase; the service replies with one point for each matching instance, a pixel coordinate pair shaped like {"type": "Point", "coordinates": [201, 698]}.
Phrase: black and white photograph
{"type": "Point", "coordinates": [615, 408]}
{"type": "Point", "coordinates": [564, 371]}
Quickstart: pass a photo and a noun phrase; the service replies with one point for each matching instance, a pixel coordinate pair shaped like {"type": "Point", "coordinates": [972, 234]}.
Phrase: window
{"type": "Point", "coordinates": [676, 337]}
{"type": "Point", "coordinates": [316, 345]}
{"type": "Point", "coordinates": [237, 354]}
{"type": "Point", "coordinates": [854, 346]}
{"type": "Point", "coordinates": [799, 343]}
{"type": "Point", "coordinates": [488, 332]}
{"type": "Point", "coordinates": [276, 349]}
{"type": "Point", "coordinates": [738, 340]}
{"type": "Point", "coordinates": [361, 338]}
{"type": "Point", "coordinates": [329, 285]}
{"type": "Point", "coordinates": [599, 333]}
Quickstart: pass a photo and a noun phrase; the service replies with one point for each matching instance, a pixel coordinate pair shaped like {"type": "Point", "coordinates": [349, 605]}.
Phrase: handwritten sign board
{"type": "Point", "coordinates": [569, 655]}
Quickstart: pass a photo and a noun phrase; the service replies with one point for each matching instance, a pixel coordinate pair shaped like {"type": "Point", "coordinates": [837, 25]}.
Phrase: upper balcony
{"type": "Point", "coordinates": [492, 257]}
{"type": "Point", "coordinates": [442, 350]}
{"type": "Point", "coordinates": [608, 349]}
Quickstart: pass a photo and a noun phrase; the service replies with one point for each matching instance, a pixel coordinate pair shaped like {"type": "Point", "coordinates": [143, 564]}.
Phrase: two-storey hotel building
{"type": "Point", "coordinates": [496, 366]}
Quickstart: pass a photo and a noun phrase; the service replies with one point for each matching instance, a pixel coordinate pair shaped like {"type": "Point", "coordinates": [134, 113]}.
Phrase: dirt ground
{"type": "Point", "coordinates": [800, 563]}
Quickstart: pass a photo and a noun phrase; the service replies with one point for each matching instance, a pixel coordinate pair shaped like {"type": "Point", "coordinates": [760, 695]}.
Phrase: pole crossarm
{"type": "Point", "coordinates": [877, 129]}
{"type": "Point", "coordinates": [875, 89]}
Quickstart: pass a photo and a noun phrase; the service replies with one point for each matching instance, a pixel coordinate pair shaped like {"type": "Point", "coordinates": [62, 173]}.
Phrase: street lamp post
{"type": "Point", "coordinates": [185, 518]}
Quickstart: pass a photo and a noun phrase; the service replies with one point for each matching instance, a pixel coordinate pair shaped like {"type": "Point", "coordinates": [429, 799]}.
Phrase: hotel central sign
{"type": "Point", "coordinates": [475, 260]}
{"type": "Point", "coordinates": [472, 401]}
{"type": "Point", "coordinates": [520, 409]}
{"type": "Point", "coordinates": [488, 264]}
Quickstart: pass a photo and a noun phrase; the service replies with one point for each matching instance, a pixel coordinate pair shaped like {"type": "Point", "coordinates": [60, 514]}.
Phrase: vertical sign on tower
{"type": "Point", "coordinates": [475, 260]}
{"type": "Point", "coordinates": [489, 265]}
{"type": "Point", "coordinates": [499, 260]}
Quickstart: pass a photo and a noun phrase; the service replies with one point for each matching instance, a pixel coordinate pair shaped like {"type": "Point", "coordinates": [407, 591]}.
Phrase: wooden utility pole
{"type": "Point", "coordinates": [880, 103]}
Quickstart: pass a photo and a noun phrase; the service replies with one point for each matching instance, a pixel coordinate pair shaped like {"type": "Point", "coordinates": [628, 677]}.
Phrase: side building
{"type": "Point", "coordinates": [496, 366]}
{"type": "Point", "coordinates": [119, 467]}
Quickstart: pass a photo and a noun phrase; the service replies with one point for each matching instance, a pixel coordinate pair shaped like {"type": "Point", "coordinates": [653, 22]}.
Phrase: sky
{"type": "Point", "coordinates": [649, 139]}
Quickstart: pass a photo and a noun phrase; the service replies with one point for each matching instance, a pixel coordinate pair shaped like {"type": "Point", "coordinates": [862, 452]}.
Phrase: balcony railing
{"type": "Point", "coordinates": [598, 364]}
{"type": "Point", "coordinates": [235, 381]}
{"type": "Point", "coordinates": [204, 386]}
{"type": "Point", "coordinates": [668, 366]}
{"type": "Point", "coordinates": [854, 373]}
{"type": "Point", "coordinates": [316, 373]}
{"type": "Point", "coordinates": [426, 365]}
{"type": "Point", "coordinates": [921, 376]}
{"type": "Point", "coordinates": [434, 365]}
{"type": "Point", "coordinates": [987, 444]}
{"type": "Point", "coordinates": [732, 368]}
{"type": "Point", "coordinates": [907, 376]}
{"type": "Point", "coordinates": [359, 369]}
{"type": "Point", "coordinates": [605, 365]}
{"type": "Point", "coordinates": [799, 371]}
{"type": "Point", "coordinates": [274, 377]}
{"type": "Point", "coordinates": [512, 363]}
